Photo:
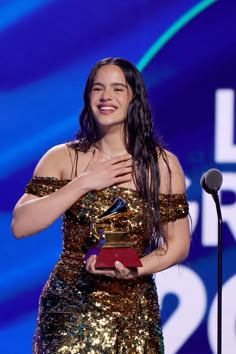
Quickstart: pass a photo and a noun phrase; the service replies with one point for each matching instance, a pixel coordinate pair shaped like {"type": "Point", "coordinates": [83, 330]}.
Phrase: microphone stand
{"type": "Point", "coordinates": [219, 273]}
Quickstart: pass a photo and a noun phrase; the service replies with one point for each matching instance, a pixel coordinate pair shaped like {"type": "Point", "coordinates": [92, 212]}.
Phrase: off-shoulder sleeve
{"type": "Point", "coordinates": [173, 207]}
{"type": "Point", "coordinates": [42, 186]}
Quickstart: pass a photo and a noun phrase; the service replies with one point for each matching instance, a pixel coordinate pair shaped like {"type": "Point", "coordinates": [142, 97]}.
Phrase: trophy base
{"type": "Point", "coordinates": [126, 255]}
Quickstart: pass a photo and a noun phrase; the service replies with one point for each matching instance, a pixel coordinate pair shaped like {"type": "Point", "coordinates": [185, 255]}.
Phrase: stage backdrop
{"type": "Point", "coordinates": [186, 51]}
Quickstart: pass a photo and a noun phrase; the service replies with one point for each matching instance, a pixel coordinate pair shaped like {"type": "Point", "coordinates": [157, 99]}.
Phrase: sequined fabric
{"type": "Point", "coordinates": [84, 313]}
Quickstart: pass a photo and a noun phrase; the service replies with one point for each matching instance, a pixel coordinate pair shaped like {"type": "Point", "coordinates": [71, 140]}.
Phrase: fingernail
{"type": "Point", "coordinates": [117, 263]}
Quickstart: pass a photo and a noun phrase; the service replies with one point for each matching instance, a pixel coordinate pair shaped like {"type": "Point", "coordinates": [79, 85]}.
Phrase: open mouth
{"type": "Point", "coordinates": [103, 108]}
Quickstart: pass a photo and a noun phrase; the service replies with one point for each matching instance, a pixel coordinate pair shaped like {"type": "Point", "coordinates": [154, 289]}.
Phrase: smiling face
{"type": "Point", "coordinates": [110, 97]}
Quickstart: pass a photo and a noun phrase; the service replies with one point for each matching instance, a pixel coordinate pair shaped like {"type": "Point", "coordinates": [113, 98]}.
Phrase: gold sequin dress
{"type": "Point", "coordinates": [80, 312]}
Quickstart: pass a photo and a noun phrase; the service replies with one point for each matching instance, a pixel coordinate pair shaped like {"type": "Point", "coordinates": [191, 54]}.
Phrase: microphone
{"type": "Point", "coordinates": [211, 181]}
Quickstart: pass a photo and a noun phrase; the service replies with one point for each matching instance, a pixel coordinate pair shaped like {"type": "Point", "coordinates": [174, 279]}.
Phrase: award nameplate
{"type": "Point", "coordinates": [113, 240]}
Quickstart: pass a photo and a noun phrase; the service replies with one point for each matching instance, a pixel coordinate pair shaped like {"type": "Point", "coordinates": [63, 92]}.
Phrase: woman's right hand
{"type": "Point", "coordinates": [102, 174]}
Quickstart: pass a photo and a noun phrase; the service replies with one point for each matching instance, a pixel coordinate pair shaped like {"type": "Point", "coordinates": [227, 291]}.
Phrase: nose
{"type": "Point", "coordinates": [106, 95]}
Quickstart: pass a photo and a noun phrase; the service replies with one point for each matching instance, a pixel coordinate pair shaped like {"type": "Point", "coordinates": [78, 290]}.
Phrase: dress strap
{"type": "Point", "coordinates": [173, 207]}
{"type": "Point", "coordinates": [42, 186]}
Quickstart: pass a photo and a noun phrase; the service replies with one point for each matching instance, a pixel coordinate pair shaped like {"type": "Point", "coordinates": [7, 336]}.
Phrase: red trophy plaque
{"type": "Point", "coordinates": [113, 234]}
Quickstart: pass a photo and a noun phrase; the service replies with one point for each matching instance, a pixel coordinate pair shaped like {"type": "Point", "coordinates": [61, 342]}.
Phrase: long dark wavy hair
{"type": "Point", "coordinates": [138, 139]}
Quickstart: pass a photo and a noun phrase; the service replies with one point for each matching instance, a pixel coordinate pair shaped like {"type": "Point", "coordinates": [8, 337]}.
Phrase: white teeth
{"type": "Point", "coordinates": [106, 108]}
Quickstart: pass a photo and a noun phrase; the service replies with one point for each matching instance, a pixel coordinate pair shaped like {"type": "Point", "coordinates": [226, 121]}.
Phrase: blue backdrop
{"type": "Point", "coordinates": [186, 51]}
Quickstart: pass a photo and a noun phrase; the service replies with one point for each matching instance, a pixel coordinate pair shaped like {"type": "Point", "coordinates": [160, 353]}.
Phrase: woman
{"type": "Point", "coordinates": [84, 309]}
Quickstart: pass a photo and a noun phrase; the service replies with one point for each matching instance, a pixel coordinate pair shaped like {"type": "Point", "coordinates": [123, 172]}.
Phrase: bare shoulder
{"type": "Point", "coordinates": [53, 162]}
{"type": "Point", "coordinates": [171, 173]}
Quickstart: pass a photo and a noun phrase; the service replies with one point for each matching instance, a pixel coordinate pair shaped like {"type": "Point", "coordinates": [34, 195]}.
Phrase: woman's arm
{"type": "Point", "coordinates": [173, 252]}
{"type": "Point", "coordinates": [33, 214]}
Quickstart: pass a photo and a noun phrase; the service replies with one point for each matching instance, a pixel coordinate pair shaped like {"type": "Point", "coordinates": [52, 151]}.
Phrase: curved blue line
{"type": "Point", "coordinates": [171, 31]}
{"type": "Point", "coordinates": [9, 159]}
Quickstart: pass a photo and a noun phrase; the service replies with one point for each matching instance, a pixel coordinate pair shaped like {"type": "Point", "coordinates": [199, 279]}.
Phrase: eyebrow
{"type": "Point", "coordinates": [113, 84]}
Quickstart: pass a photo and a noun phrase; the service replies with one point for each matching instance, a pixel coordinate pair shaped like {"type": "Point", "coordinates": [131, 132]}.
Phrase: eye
{"type": "Point", "coordinates": [96, 88]}
{"type": "Point", "coordinates": [119, 89]}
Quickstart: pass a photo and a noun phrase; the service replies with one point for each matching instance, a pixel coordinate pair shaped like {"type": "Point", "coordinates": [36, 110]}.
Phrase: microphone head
{"type": "Point", "coordinates": [211, 180]}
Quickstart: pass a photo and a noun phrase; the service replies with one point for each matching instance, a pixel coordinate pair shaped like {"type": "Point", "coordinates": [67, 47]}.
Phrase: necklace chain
{"type": "Point", "coordinates": [105, 153]}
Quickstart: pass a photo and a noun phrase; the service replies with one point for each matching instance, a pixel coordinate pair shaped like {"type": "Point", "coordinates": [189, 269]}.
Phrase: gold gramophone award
{"type": "Point", "coordinates": [113, 240]}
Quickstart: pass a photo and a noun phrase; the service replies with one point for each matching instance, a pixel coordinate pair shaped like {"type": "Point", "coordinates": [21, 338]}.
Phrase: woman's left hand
{"type": "Point", "coordinates": [120, 271]}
